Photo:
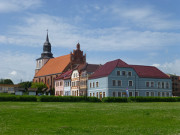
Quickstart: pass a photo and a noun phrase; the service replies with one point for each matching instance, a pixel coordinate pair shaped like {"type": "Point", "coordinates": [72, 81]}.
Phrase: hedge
{"type": "Point", "coordinates": [114, 99]}
{"type": "Point", "coordinates": [154, 99]}
{"type": "Point", "coordinates": [23, 98]}
{"type": "Point", "coordinates": [68, 99]}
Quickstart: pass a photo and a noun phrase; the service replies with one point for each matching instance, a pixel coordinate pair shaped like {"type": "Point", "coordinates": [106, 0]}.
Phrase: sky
{"type": "Point", "coordinates": [140, 32]}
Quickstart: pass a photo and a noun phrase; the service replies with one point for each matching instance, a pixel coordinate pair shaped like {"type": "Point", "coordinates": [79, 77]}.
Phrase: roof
{"type": "Point", "coordinates": [32, 89]}
{"type": "Point", "coordinates": [142, 71]}
{"type": "Point", "coordinates": [107, 68]}
{"type": "Point", "coordinates": [90, 68]}
{"type": "Point", "coordinates": [65, 75]}
{"type": "Point", "coordinates": [149, 72]}
{"type": "Point", "coordinates": [9, 85]}
{"type": "Point", "coordinates": [54, 66]}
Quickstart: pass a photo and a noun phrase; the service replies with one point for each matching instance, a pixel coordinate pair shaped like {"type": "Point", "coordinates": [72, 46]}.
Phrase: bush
{"type": "Point", "coordinates": [68, 99]}
{"type": "Point", "coordinates": [153, 99]}
{"type": "Point", "coordinates": [114, 99]}
{"type": "Point", "coordinates": [18, 98]}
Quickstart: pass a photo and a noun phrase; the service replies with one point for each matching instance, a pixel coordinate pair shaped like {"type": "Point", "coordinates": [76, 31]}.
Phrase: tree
{"type": "Point", "coordinates": [39, 86]}
{"type": "Point", "coordinates": [25, 85]}
{"type": "Point", "coordinates": [6, 81]}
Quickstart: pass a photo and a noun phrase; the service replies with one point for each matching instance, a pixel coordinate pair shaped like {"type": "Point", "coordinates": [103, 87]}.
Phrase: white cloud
{"type": "Point", "coordinates": [17, 5]}
{"type": "Point", "coordinates": [170, 67]}
{"type": "Point", "coordinates": [13, 73]}
{"type": "Point", "coordinates": [64, 34]}
{"type": "Point", "coordinates": [17, 66]}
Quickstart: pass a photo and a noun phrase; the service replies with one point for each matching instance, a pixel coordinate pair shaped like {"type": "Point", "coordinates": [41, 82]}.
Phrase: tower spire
{"type": "Point", "coordinates": [47, 38]}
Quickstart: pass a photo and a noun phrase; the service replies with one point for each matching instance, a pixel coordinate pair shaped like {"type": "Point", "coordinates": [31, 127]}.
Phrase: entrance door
{"type": "Point", "coordinates": [100, 95]}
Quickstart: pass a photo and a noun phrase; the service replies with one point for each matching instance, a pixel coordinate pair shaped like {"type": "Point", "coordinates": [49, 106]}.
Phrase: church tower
{"type": "Point", "coordinates": [45, 55]}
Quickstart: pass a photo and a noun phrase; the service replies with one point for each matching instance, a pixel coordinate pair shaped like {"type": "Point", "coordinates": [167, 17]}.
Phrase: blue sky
{"type": "Point", "coordinates": [142, 32]}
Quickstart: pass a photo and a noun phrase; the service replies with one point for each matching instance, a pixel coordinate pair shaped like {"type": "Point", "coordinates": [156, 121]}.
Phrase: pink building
{"type": "Point", "coordinates": [60, 83]}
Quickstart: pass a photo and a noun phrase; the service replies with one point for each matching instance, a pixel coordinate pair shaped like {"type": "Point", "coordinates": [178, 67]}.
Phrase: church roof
{"type": "Point", "coordinates": [54, 66]}
{"type": "Point", "coordinates": [142, 71]}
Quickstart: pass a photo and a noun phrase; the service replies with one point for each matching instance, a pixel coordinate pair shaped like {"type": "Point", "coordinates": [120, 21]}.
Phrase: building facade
{"type": "Point", "coordinates": [8, 88]}
{"type": "Point", "coordinates": [48, 68]}
{"type": "Point", "coordinates": [118, 79]}
{"type": "Point", "coordinates": [175, 84]}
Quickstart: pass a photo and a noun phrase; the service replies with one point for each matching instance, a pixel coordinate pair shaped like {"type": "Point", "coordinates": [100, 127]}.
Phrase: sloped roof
{"type": "Point", "coordinates": [54, 65]}
{"type": "Point", "coordinates": [142, 71]}
{"type": "Point", "coordinates": [149, 72]}
{"type": "Point", "coordinates": [90, 68]}
{"type": "Point", "coordinates": [107, 68]}
{"type": "Point", "coordinates": [65, 75]}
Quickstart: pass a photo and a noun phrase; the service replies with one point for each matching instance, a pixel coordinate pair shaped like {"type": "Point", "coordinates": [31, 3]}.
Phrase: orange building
{"type": "Point", "coordinates": [48, 67]}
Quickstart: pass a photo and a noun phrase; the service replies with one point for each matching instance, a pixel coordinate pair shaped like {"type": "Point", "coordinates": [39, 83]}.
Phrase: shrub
{"type": "Point", "coordinates": [114, 99]}
{"type": "Point", "coordinates": [68, 99]}
{"type": "Point", "coordinates": [18, 98]}
{"type": "Point", "coordinates": [153, 99]}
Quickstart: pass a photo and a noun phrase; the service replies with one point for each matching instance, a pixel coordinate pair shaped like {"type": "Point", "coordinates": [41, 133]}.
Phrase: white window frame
{"type": "Point", "coordinates": [137, 93]}
{"type": "Point", "coordinates": [122, 73]}
{"type": "Point", "coordinates": [146, 93]}
{"type": "Point", "coordinates": [129, 72]}
{"type": "Point", "coordinates": [118, 83]}
{"type": "Point", "coordinates": [146, 84]}
{"type": "Point", "coordinates": [132, 83]}
{"type": "Point", "coordinates": [153, 84]}
{"type": "Point", "coordinates": [117, 72]}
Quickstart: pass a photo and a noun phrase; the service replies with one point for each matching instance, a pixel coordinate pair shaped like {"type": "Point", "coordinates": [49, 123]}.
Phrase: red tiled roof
{"type": "Point", "coordinates": [149, 72]}
{"type": "Point", "coordinates": [65, 75]}
{"type": "Point", "coordinates": [107, 68]}
{"type": "Point", "coordinates": [142, 71]}
{"type": "Point", "coordinates": [54, 65]}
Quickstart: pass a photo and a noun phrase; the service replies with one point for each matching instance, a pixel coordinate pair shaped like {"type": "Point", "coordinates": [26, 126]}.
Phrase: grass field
{"type": "Point", "coordinates": [25, 118]}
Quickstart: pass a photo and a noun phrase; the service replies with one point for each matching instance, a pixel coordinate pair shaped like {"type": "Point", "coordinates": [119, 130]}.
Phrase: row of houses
{"type": "Point", "coordinates": [113, 79]}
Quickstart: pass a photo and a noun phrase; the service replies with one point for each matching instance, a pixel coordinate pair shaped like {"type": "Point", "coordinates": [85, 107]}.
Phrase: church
{"type": "Point", "coordinates": [48, 67]}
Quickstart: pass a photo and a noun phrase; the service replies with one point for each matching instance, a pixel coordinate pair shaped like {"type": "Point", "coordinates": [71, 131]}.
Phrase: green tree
{"type": "Point", "coordinates": [6, 81]}
{"type": "Point", "coordinates": [39, 86]}
{"type": "Point", "coordinates": [25, 85]}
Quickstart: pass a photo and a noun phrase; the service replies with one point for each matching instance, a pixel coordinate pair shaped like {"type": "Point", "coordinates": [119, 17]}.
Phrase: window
{"type": "Point", "coordinates": [97, 94]}
{"type": "Point", "coordinates": [147, 84]}
{"type": "Point", "coordinates": [97, 84]}
{"type": "Point", "coordinates": [136, 94]}
{"type": "Point", "coordinates": [152, 84]}
{"type": "Point", "coordinates": [163, 85]}
{"type": "Point", "coordinates": [123, 73]}
{"type": "Point", "coordinates": [93, 85]}
{"type": "Point", "coordinates": [130, 94]}
{"type": "Point", "coordinates": [130, 83]}
{"type": "Point", "coordinates": [119, 94]}
{"type": "Point", "coordinates": [93, 94]}
{"type": "Point", "coordinates": [114, 94]}
{"type": "Point", "coordinates": [103, 94]}
{"type": "Point", "coordinates": [147, 94]}
{"type": "Point", "coordinates": [119, 82]}
{"type": "Point", "coordinates": [159, 94]}
{"type": "Point", "coordinates": [118, 73]}
{"type": "Point", "coordinates": [90, 94]}
{"type": "Point", "coordinates": [163, 94]}
{"type": "Point", "coordinates": [152, 94]}
{"type": "Point", "coordinates": [167, 85]}
{"type": "Point", "coordinates": [90, 85]}
{"type": "Point", "coordinates": [159, 85]}
{"type": "Point", "coordinates": [114, 82]}
{"type": "Point", "coordinates": [47, 81]}
{"type": "Point", "coordinates": [129, 73]}
{"type": "Point", "coordinates": [167, 94]}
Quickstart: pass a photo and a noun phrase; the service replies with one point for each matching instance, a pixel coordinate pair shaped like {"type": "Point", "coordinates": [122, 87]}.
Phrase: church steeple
{"type": "Point", "coordinates": [47, 49]}
{"type": "Point", "coordinates": [45, 55]}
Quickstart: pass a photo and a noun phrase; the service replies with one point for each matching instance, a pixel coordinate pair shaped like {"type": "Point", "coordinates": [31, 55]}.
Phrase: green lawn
{"type": "Point", "coordinates": [25, 118]}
